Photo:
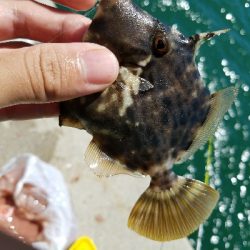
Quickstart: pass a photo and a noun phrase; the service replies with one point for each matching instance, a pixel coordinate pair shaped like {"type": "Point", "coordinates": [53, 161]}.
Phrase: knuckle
{"type": "Point", "coordinates": [50, 72]}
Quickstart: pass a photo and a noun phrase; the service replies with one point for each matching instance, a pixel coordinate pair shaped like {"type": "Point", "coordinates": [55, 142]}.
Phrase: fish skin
{"type": "Point", "coordinates": [178, 102]}
{"type": "Point", "coordinates": [148, 119]}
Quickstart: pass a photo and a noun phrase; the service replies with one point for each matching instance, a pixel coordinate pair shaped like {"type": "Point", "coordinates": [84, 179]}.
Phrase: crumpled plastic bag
{"type": "Point", "coordinates": [35, 205]}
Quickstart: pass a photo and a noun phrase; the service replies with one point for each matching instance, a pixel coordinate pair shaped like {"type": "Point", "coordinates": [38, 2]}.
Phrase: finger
{"type": "Point", "coordinates": [77, 4]}
{"type": "Point", "coordinates": [54, 72]}
{"type": "Point", "coordinates": [27, 19]}
{"type": "Point", "coordinates": [9, 242]}
{"type": "Point", "coordinates": [29, 111]}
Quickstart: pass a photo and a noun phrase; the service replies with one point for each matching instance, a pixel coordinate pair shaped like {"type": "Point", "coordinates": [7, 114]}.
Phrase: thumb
{"type": "Point", "coordinates": [54, 72]}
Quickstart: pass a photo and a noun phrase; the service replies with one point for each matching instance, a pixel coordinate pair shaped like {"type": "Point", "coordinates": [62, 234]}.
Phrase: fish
{"type": "Point", "coordinates": [156, 114]}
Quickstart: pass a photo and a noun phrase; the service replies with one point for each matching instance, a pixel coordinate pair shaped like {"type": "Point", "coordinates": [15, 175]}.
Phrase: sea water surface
{"type": "Point", "coordinates": [223, 61]}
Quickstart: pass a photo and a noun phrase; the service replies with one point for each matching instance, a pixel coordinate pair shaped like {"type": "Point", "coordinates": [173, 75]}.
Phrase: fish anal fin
{"type": "Point", "coordinates": [220, 102]}
{"type": "Point", "coordinates": [104, 166]}
{"type": "Point", "coordinates": [173, 213]}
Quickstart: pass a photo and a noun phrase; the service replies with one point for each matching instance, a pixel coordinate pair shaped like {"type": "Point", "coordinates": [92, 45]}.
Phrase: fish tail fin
{"type": "Point", "coordinates": [173, 213]}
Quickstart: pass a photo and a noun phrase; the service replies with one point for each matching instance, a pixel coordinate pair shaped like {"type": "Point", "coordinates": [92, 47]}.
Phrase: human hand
{"type": "Point", "coordinates": [26, 220]}
{"type": "Point", "coordinates": [34, 79]}
{"type": "Point", "coordinates": [18, 226]}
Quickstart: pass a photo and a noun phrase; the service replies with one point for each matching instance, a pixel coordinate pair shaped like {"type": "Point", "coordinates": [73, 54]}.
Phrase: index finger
{"type": "Point", "coordinates": [77, 4]}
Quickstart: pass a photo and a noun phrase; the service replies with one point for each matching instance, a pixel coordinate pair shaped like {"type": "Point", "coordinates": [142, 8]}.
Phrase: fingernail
{"type": "Point", "coordinates": [100, 66]}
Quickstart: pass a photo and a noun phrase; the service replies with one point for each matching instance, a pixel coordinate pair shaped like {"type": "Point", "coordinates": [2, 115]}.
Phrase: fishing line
{"type": "Point", "coordinates": [207, 180]}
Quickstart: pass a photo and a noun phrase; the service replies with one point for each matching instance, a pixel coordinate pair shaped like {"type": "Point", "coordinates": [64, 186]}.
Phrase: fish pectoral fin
{"type": "Point", "coordinates": [173, 213]}
{"type": "Point", "coordinates": [133, 82]}
{"type": "Point", "coordinates": [220, 103]}
{"type": "Point", "coordinates": [104, 166]}
{"type": "Point", "coordinates": [66, 117]}
{"type": "Point", "coordinates": [145, 85]}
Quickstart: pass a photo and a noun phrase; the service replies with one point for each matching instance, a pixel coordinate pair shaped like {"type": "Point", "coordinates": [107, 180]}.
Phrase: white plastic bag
{"type": "Point", "coordinates": [38, 190]}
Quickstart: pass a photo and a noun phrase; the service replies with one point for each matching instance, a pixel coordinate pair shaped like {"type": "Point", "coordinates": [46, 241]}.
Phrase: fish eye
{"type": "Point", "coordinates": [161, 45]}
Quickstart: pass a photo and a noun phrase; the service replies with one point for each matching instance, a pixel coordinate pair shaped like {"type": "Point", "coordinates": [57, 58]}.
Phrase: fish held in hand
{"type": "Point", "coordinates": [157, 113]}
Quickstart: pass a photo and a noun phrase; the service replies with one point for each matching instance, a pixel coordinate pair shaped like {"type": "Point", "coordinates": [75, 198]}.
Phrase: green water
{"type": "Point", "coordinates": [223, 61]}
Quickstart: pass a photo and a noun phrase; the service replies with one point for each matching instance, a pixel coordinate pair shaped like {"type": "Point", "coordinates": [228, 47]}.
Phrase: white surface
{"type": "Point", "coordinates": [102, 206]}
{"type": "Point", "coordinates": [59, 229]}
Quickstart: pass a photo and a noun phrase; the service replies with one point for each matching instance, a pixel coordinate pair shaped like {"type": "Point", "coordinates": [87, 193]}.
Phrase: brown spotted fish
{"type": "Point", "coordinates": [157, 113]}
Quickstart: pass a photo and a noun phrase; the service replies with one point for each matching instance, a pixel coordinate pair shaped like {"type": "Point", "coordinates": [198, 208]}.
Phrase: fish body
{"type": "Point", "coordinates": [157, 113]}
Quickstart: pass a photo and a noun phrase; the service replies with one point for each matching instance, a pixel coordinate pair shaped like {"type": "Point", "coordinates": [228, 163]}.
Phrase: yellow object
{"type": "Point", "coordinates": [83, 243]}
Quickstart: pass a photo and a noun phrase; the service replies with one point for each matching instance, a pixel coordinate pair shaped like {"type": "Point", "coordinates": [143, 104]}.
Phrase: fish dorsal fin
{"type": "Point", "coordinates": [104, 166]}
{"type": "Point", "coordinates": [220, 102]}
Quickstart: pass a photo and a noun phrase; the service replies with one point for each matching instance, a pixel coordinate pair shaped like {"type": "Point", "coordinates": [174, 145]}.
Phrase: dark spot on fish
{"type": "Point", "coordinates": [130, 114]}
{"type": "Point", "coordinates": [153, 138]}
{"type": "Point", "coordinates": [195, 103]}
{"type": "Point", "coordinates": [165, 118]}
{"type": "Point", "coordinates": [174, 154]}
{"type": "Point", "coordinates": [145, 168]}
{"type": "Point", "coordinates": [190, 59]}
{"type": "Point", "coordinates": [189, 113]}
{"type": "Point", "coordinates": [157, 158]}
{"type": "Point", "coordinates": [210, 35]}
{"type": "Point", "coordinates": [194, 119]}
{"type": "Point", "coordinates": [137, 139]}
{"type": "Point", "coordinates": [195, 38]}
{"type": "Point", "coordinates": [175, 120]}
{"type": "Point", "coordinates": [183, 118]}
{"type": "Point", "coordinates": [167, 102]}
{"type": "Point", "coordinates": [195, 75]}
{"type": "Point", "coordinates": [186, 141]}
{"type": "Point", "coordinates": [179, 101]}
{"type": "Point", "coordinates": [173, 140]}
{"type": "Point", "coordinates": [178, 72]}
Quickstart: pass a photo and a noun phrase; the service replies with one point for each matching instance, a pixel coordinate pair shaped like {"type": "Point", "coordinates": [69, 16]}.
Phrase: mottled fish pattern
{"type": "Point", "coordinates": [154, 115]}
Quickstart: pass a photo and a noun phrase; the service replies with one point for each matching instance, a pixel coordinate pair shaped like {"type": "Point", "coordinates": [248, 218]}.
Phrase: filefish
{"type": "Point", "coordinates": [156, 114]}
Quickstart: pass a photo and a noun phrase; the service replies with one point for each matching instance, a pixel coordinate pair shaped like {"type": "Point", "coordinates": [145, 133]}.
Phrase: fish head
{"type": "Point", "coordinates": [155, 51]}
{"type": "Point", "coordinates": [123, 28]}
